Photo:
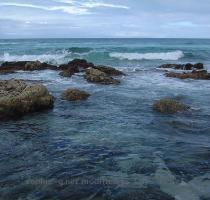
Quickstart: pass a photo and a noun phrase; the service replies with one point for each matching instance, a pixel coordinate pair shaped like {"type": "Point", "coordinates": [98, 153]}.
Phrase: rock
{"type": "Point", "coordinates": [187, 66]}
{"type": "Point", "coordinates": [17, 98]}
{"type": "Point", "coordinates": [109, 70]}
{"type": "Point", "coordinates": [66, 73]}
{"type": "Point", "coordinates": [169, 106]}
{"type": "Point", "coordinates": [74, 66]}
{"type": "Point", "coordinates": [75, 95]}
{"type": "Point", "coordinates": [26, 66]}
{"type": "Point", "coordinates": [96, 76]}
{"type": "Point", "coordinates": [202, 74]}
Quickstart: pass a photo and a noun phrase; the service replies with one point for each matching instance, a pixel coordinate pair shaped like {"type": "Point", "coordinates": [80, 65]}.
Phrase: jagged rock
{"type": "Point", "coordinates": [75, 95]}
{"type": "Point", "coordinates": [109, 70]}
{"type": "Point", "coordinates": [17, 98]}
{"type": "Point", "coordinates": [187, 66]}
{"type": "Point", "coordinates": [96, 76]}
{"type": "Point", "coordinates": [26, 66]}
{"type": "Point", "coordinates": [74, 66]}
{"type": "Point", "coordinates": [169, 106]}
{"type": "Point", "coordinates": [202, 74]}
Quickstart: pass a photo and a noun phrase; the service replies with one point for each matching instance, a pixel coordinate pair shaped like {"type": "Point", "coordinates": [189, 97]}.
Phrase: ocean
{"type": "Point", "coordinates": [112, 146]}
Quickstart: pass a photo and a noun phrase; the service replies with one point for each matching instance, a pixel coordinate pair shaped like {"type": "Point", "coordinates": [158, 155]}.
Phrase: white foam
{"type": "Point", "coordinates": [57, 58]}
{"type": "Point", "coordinates": [174, 55]}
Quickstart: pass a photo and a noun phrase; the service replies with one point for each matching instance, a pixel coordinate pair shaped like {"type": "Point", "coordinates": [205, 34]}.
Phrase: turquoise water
{"type": "Point", "coordinates": [112, 146]}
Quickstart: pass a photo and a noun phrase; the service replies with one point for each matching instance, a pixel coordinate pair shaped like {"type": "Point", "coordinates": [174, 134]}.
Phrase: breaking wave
{"type": "Point", "coordinates": [174, 55]}
{"type": "Point", "coordinates": [57, 58]}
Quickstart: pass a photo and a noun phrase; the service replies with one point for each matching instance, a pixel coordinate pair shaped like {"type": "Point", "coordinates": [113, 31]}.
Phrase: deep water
{"type": "Point", "coordinates": [112, 146]}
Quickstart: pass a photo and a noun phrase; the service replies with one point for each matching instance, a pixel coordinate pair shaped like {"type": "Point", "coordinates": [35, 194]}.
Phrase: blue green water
{"type": "Point", "coordinates": [112, 146]}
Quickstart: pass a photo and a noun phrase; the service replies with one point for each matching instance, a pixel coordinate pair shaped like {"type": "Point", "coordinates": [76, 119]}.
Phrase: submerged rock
{"type": "Point", "coordinates": [202, 74]}
{"type": "Point", "coordinates": [187, 66]}
{"type": "Point", "coordinates": [96, 76]}
{"type": "Point", "coordinates": [25, 66]}
{"type": "Point", "coordinates": [75, 95]}
{"type": "Point", "coordinates": [17, 98]}
{"type": "Point", "coordinates": [109, 70]}
{"type": "Point", "coordinates": [169, 106]}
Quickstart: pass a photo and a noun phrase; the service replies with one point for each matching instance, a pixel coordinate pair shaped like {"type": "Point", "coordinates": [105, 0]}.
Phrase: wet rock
{"type": "Point", "coordinates": [109, 70]}
{"type": "Point", "coordinates": [187, 66]}
{"type": "Point", "coordinates": [75, 95]}
{"type": "Point", "coordinates": [169, 106]}
{"type": "Point", "coordinates": [74, 66]}
{"type": "Point", "coordinates": [17, 98]}
{"type": "Point", "coordinates": [67, 73]}
{"type": "Point", "coordinates": [96, 76]}
{"type": "Point", "coordinates": [26, 66]}
{"type": "Point", "coordinates": [201, 74]}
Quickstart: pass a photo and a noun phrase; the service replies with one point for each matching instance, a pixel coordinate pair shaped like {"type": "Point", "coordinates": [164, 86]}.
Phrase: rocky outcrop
{"type": "Point", "coordinates": [25, 66]}
{"type": "Point", "coordinates": [17, 98]}
{"type": "Point", "coordinates": [74, 66]}
{"type": "Point", "coordinates": [109, 70]}
{"type": "Point", "coordinates": [96, 76]}
{"type": "Point", "coordinates": [169, 106]}
{"type": "Point", "coordinates": [188, 66]}
{"type": "Point", "coordinates": [75, 95]}
{"type": "Point", "coordinates": [202, 75]}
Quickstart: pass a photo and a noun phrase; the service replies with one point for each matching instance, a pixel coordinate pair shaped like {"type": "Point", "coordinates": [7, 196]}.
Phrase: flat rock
{"type": "Point", "coordinates": [26, 66]}
{"type": "Point", "coordinates": [188, 66]}
{"type": "Point", "coordinates": [17, 98]}
{"type": "Point", "coordinates": [169, 106]}
{"type": "Point", "coordinates": [96, 76]}
{"type": "Point", "coordinates": [109, 70]}
{"type": "Point", "coordinates": [75, 95]}
{"type": "Point", "coordinates": [202, 75]}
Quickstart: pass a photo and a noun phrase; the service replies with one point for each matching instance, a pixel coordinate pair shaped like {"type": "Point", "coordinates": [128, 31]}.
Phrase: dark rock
{"type": "Point", "coordinates": [96, 76]}
{"type": "Point", "coordinates": [203, 75]}
{"type": "Point", "coordinates": [75, 95]}
{"type": "Point", "coordinates": [26, 66]}
{"type": "Point", "coordinates": [187, 66]}
{"type": "Point", "coordinates": [17, 98]}
{"type": "Point", "coordinates": [109, 70]}
{"type": "Point", "coordinates": [169, 106]}
{"type": "Point", "coordinates": [74, 66]}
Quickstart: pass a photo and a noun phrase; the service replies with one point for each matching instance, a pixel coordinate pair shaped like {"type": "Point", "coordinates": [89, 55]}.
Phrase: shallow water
{"type": "Point", "coordinates": [112, 146]}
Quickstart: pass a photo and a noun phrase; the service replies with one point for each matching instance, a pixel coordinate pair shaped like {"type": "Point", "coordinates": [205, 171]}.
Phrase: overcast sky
{"type": "Point", "coordinates": [104, 18]}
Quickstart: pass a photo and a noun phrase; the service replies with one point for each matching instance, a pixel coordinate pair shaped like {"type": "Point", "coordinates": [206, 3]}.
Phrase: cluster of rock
{"type": "Point", "coordinates": [94, 74]}
{"type": "Point", "coordinates": [18, 98]}
{"type": "Point", "coordinates": [196, 71]}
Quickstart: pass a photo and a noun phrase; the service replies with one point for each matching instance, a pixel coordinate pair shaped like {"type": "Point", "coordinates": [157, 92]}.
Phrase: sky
{"type": "Point", "coordinates": [104, 19]}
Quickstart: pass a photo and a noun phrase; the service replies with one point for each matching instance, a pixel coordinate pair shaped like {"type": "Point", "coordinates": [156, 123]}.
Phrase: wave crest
{"type": "Point", "coordinates": [57, 58]}
{"type": "Point", "coordinates": [174, 55]}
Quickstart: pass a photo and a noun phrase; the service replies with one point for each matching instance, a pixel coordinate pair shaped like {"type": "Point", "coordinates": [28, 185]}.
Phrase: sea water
{"type": "Point", "coordinates": [112, 146]}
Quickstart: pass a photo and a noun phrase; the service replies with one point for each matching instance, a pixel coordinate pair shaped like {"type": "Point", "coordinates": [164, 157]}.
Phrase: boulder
{"type": "Point", "coordinates": [26, 66]}
{"type": "Point", "coordinates": [66, 73]}
{"type": "Point", "coordinates": [187, 66]}
{"type": "Point", "coordinates": [96, 76]}
{"type": "Point", "coordinates": [17, 98]}
{"type": "Point", "coordinates": [201, 74]}
{"type": "Point", "coordinates": [109, 70]}
{"type": "Point", "coordinates": [75, 95]}
{"type": "Point", "coordinates": [169, 106]}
